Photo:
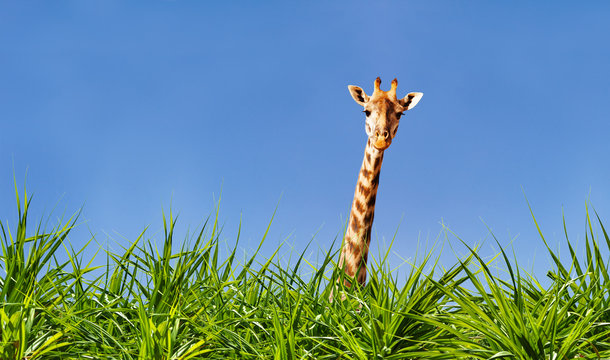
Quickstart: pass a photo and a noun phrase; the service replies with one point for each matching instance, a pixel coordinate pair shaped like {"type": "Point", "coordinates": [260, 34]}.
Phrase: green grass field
{"type": "Point", "coordinates": [200, 302]}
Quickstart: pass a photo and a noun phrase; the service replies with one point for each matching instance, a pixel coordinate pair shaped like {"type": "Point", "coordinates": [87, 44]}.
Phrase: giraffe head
{"type": "Point", "coordinates": [383, 111]}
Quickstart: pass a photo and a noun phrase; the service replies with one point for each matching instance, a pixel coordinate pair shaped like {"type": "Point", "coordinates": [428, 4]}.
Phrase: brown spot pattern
{"type": "Point", "coordinates": [348, 268]}
{"type": "Point", "coordinates": [375, 180]}
{"type": "Point", "coordinates": [364, 190]}
{"type": "Point", "coordinates": [354, 225]}
{"type": "Point", "coordinates": [376, 164]}
{"type": "Point", "coordinates": [359, 206]}
{"type": "Point", "coordinates": [371, 201]}
{"type": "Point", "coordinates": [368, 218]}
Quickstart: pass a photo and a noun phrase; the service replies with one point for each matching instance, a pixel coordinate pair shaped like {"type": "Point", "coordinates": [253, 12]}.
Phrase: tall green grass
{"type": "Point", "coordinates": [198, 302]}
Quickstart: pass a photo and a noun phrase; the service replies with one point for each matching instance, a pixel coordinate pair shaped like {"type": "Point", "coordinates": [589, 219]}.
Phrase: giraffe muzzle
{"type": "Point", "coordinates": [381, 143]}
{"type": "Point", "coordinates": [381, 139]}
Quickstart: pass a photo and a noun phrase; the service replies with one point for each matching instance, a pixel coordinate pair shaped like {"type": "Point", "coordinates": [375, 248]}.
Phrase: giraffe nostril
{"type": "Point", "coordinates": [385, 134]}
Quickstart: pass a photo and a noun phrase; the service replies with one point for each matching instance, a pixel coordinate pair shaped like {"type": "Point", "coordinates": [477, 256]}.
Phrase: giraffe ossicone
{"type": "Point", "coordinates": [383, 111]}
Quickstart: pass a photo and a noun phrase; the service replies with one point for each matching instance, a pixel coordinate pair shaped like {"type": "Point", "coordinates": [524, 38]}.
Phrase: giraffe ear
{"type": "Point", "coordinates": [408, 102]}
{"type": "Point", "coordinates": [358, 94]}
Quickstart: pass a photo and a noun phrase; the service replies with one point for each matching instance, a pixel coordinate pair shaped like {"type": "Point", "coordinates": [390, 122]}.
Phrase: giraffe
{"type": "Point", "coordinates": [383, 111]}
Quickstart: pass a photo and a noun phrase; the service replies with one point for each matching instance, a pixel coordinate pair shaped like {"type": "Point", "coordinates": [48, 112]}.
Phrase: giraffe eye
{"type": "Point", "coordinates": [398, 115]}
{"type": "Point", "coordinates": [367, 113]}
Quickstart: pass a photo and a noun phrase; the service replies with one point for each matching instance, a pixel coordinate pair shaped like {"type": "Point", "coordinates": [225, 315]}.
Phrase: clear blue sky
{"type": "Point", "coordinates": [124, 108]}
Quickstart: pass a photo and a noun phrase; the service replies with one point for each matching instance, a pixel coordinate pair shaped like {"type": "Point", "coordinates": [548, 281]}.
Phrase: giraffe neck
{"type": "Point", "coordinates": [355, 247]}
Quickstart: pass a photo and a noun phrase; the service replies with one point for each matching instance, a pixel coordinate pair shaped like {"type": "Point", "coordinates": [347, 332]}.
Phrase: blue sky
{"type": "Point", "coordinates": [124, 108]}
